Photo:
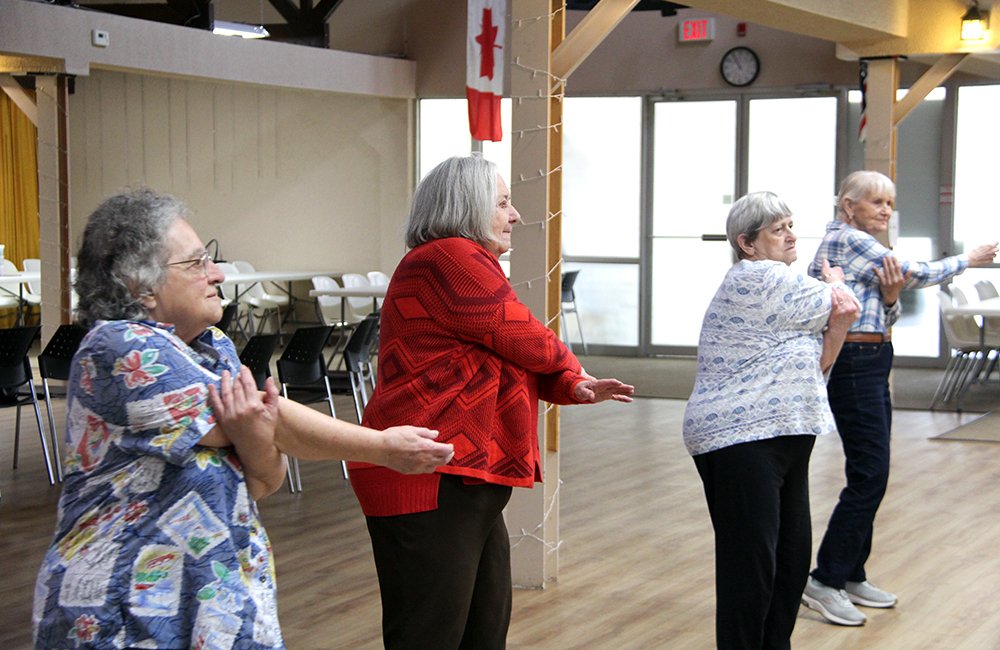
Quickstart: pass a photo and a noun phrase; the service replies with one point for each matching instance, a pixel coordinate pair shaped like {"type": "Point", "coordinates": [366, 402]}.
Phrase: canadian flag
{"type": "Point", "coordinates": [484, 67]}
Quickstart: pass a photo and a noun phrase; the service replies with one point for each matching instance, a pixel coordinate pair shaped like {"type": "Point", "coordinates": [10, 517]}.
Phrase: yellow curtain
{"type": "Point", "coordinates": [18, 188]}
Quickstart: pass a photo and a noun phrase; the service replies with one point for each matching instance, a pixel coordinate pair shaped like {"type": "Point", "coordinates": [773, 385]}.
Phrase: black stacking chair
{"type": "Point", "coordinates": [256, 356]}
{"type": "Point", "coordinates": [302, 373]}
{"type": "Point", "coordinates": [568, 306]}
{"type": "Point", "coordinates": [228, 314]}
{"type": "Point", "coordinates": [17, 387]}
{"type": "Point", "coordinates": [357, 355]}
{"type": "Point", "coordinates": [55, 362]}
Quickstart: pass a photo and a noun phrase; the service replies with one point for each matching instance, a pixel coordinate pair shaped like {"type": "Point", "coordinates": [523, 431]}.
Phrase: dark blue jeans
{"type": "Point", "coordinates": [859, 399]}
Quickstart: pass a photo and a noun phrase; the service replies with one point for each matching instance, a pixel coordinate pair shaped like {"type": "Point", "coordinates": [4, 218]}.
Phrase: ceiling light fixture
{"type": "Point", "coordinates": [226, 28]}
{"type": "Point", "coordinates": [974, 23]}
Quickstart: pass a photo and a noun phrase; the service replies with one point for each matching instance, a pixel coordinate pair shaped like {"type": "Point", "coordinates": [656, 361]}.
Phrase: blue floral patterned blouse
{"type": "Point", "coordinates": [759, 372]}
{"type": "Point", "coordinates": [157, 543]}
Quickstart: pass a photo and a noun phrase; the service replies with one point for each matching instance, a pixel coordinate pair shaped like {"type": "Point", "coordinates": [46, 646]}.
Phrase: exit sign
{"type": "Point", "coordinates": [694, 30]}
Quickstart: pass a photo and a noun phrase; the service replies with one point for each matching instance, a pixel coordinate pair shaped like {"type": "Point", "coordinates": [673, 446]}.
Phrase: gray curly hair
{"type": "Point", "coordinates": [751, 214]}
{"type": "Point", "coordinates": [123, 254]}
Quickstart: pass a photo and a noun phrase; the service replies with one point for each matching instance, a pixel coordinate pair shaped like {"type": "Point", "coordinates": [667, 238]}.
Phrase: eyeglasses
{"type": "Point", "coordinates": [200, 262]}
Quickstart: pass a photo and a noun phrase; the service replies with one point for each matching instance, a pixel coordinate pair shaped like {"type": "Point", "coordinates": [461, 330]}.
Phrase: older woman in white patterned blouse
{"type": "Point", "coordinates": [758, 403]}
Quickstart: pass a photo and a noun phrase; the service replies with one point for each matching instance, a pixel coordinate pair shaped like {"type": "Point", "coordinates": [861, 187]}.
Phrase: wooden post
{"type": "Point", "coordinates": [541, 59]}
{"type": "Point", "coordinates": [532, 516]}
{"type": "Point", "coordinates": [52, 98]}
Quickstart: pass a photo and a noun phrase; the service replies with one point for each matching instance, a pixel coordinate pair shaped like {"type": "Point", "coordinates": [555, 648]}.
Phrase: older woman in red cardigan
{"type": "Point", "coordinates": [461, 354]}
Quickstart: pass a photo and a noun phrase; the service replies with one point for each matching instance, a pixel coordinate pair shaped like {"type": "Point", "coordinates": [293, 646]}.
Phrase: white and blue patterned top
{"type": "Point", "coordinates": [158, 544]}
{"type": "Point", "coordinates": [759, 372]}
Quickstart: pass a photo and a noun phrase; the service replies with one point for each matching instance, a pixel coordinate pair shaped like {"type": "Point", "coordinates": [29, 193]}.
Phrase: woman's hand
{"type": "Point", "coordinates": [831, 273]}
{"type": "Point", "coordinates": [844, 310]}
{"type": "Point", "coordinates": [891, 279]}
{"type": "Point", "coordinates": [248, 419]}
{"type": "Point", "coordinates": [597, 390]}
{"type": "Point", "coordinates": [412, 450]}
{"type": "Point", "coordinates": [982, 255]}
{"type": "Point", "coordinates": [241, 410]}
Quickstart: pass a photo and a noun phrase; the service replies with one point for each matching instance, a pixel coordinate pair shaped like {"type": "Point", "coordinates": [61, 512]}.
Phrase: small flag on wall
{"type": "Point", "coordinates": [863, 82]}
{"type": "Point", "coordinates": [484, 67]}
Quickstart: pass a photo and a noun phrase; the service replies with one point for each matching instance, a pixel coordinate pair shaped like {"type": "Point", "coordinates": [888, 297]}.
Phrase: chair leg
{"type": "Point", "coordinates": [333, 413]}
{"type": "Point", "coordinates": [56, 456]}
{"type": "Point", "coordinates": [17, 435]}
{"type": "Point", "coordinates": [969, 378]}
{"type": "Point", "coordinates": [41, 434]}
{"type": "Point", "coordinates": [291, 463]}
{"type": "Point", "coordinates": [294, 475]}
{"type": "Point", "coordinates": [944, 386]}
{"type": "Point", "coordinates": [958, 377]}
{"type": "Point", "coordinates": [288, 472]}
{"type": "Point", "coordinates": [278, 322]}
{"type": "Point", "coordinates": [992, 364]}
{"type": "Point", "coordinates": [579, 327]}
{"type": "Point", "coordinates": [357, 386]}
{"type": "Point", "coordinates": [564, 330]}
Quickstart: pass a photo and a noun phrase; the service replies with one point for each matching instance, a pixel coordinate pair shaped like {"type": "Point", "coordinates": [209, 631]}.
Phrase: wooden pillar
{"type": "Point", "coordinates": [542, 57]}
{"type": "Point", "coordinates": [880, 99]}
{"type": "Point", "coordinates": [52, 98]}
{"type": "Point", "coordinates": [532, 516]}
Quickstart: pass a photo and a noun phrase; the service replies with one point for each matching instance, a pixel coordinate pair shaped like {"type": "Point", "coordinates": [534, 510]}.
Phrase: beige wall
{"type": "Point", "coordinates": [285, 179]}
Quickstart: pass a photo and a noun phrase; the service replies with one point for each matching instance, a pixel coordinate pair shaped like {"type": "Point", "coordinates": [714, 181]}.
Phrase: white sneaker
{"type": "Point", "coordinates": [867, 594]}
{"type": "Point", "coordinates": [833, 604]}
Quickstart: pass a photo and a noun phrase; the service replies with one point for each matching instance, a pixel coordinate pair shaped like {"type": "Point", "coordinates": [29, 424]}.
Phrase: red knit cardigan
{"type": "Point", "coordinates": [460, 353]}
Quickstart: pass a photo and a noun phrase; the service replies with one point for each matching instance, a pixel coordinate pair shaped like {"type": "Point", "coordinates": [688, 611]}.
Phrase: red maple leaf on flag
{"type": "Point", "coordinates": [487, 42]}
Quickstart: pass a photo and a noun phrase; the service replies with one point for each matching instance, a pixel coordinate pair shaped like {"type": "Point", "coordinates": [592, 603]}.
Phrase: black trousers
{"type": "Point", "coordinates": [444, 575]}
{"type": "Point", "coordinates": [758, 497]}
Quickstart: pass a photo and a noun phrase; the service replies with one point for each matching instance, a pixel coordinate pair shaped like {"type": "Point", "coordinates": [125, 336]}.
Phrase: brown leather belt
{"type": "Point", "coordinates": [867, 337]}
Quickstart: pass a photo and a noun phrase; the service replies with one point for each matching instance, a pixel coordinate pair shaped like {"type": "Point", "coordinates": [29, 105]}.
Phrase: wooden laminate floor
{"type": "Point", "coordinates": [636, 559]}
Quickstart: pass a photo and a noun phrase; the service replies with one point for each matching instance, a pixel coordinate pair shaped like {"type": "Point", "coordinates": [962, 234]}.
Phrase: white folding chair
{"type": "Point", "coordinates": [962, 334]}
{"type": "Point", "coordinates": [378, 279]}
{"type": "Point", "coordinates": [966, 328]}
{"type": "Point", "coordinates": [259, 300]}
{"type": "Point", "coordinates": [330, 310]}
{"type": "Point", "coordinates": [32, 295]}
{"type": "Point", "coordinates": [988, 291]}
{"type": "Point", "coordinates": [33, 292]}
{"type": "Point", "coordinates": [357, 306]}
{"type": "Point", "coordinates": [10, 299]}
{"type": "Point", "coordinates": [242, 321]}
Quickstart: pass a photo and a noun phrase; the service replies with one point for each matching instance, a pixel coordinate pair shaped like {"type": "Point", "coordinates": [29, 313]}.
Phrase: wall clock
{"type": "Point", "coordinates": [739, 66]}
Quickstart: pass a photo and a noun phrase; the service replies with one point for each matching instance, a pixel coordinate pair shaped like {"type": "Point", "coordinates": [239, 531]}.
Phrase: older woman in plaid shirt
{"type": "Point", "coordinates": [859, 386]}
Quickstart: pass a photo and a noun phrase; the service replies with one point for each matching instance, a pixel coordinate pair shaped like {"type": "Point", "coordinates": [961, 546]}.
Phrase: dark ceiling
{"type": "Point", "coordinates": [305, 22]}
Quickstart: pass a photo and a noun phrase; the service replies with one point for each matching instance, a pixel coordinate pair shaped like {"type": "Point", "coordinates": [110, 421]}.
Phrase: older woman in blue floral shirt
{"type": "Point", "coordinates": [758, 403]}
{"type": "Point", "coordinates": [158, 542]}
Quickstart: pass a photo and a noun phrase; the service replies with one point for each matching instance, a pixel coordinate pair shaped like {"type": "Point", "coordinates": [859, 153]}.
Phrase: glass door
{"type": "Point", "coordinates": [792, 151]}
{"type": "Point", "coordinates": [693, 181]}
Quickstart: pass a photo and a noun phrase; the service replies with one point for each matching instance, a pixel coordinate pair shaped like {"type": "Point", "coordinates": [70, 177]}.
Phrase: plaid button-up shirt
{"type": "Point", "coordinates": [859, 254]}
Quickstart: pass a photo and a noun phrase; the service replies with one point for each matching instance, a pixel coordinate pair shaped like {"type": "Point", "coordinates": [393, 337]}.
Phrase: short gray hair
{"type": "Point", "coordinates": [861, 185]}
{"type": "Point", "coordinates": [751, 214]}
{"type": "Point", "coordinates": [123, 254]}
{"type": "Point", "coordinates": [458, 198]}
